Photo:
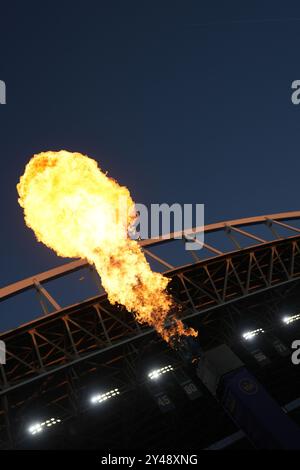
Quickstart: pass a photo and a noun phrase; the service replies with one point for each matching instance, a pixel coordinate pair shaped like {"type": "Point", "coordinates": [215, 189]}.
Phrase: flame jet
{"type": "Point", "coordinates": [79, 212]}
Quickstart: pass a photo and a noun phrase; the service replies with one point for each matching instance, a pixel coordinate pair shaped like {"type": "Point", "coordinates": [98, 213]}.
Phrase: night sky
{"type": "Point", "coordinates": [181, 101]}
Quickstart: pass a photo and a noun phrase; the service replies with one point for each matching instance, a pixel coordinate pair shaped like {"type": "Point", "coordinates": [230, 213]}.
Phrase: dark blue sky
{"type": "Point", "coordinates": [182, 101]}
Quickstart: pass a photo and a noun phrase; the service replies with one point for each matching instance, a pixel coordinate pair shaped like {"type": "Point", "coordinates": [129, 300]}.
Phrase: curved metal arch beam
{"type": "Point", "coordinates": [111, 346]}
{"type": "Point", "coordinates": [223, 225]}
{"type": "Point", "coordinates": [202, 309]}
{"type": "Point", "coordinates": [68, 268]}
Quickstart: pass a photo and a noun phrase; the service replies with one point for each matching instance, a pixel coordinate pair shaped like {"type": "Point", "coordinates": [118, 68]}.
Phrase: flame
{"type": "Point", "coordinates": [79, 212]}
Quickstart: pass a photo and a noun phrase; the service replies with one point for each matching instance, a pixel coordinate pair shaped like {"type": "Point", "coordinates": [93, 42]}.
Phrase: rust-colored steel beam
{"type": "Point", "coordinates": [72, 266]}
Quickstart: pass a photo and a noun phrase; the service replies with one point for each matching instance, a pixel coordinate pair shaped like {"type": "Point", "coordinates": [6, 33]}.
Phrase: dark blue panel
{"type": "Point", "coordinates": [256, 413]}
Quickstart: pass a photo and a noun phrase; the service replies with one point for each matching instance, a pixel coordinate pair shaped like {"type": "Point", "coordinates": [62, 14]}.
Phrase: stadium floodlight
{"type": "Point", "coordinates": [154, 374]}
{"type": "Point", "coordinates": [100, 397]}
{"type": "Point", "coordinates": [290, 319]}
{"type": "Point", "coordinates": [251, 334]}
{"type": "Point", "coordinates": [39, 427]}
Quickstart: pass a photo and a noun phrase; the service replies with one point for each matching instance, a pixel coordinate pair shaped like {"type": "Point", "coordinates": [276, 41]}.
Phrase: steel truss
{"type": "Point", "coordinates": [57, 349]}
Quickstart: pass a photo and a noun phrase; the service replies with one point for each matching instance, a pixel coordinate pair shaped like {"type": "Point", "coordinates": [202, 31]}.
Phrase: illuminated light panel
{"type": "Point", "coordinates": [290, 319]}
{"type": "Point", "coordinates": [105, 396]}
{"type": "Point", "coordinates": [251, 334]}
{"type": "Point", "coordinates": [39, 427]}
{"type": "Point", "coordinates": [154, 374]}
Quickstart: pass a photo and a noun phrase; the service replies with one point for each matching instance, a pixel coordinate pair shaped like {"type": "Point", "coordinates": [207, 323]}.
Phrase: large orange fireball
{"type": "Point", "coordinates": [78, 211]}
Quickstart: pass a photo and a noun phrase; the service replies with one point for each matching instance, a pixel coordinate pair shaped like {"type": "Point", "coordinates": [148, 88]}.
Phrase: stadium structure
{"type": "Point", "coordinates": [88, 376]}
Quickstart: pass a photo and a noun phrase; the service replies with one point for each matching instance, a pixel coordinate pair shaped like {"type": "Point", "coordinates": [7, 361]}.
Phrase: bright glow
{"type": "Point", "coordinates": [154, 374]}
{"type": "Point", "coordinates": [39, 427]}
{"type": "Point", "coordinates": [105, 396]}
{"type": "Point", "coordinates": [291, 319]}
{"type": "Point", "coordinates": [75, 209]}
{"type": "Point", "coordinates": [251, 334]}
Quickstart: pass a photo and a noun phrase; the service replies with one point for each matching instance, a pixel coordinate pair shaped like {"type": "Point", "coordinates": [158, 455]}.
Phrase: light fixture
{"type": "Point", "coordinates": [39, 427]}
{"type": "Point", "coordinates": [100, 397]}
{"type": "Point", "coordinates": [251, 334]}
{"type": "Point", "coordinates": [290, 319]}
{"type": "Point", "coordinates": [154, 374]}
